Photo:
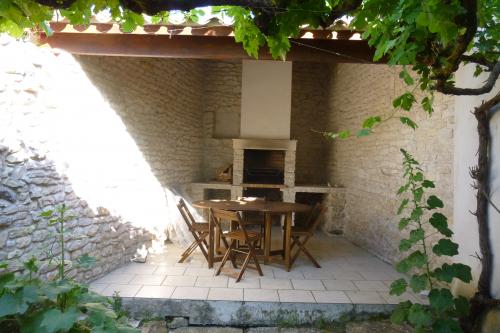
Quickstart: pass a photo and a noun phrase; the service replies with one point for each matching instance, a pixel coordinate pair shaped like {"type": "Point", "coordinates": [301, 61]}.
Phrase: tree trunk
{"type": "Point", "coordinates": [482, 301]}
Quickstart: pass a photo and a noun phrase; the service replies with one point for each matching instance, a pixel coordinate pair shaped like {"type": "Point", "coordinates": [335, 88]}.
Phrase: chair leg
{"type": "Point", "coordinates": [224, 259]}
{"type": "Point", "coordinates": [188, 251]}
{"type": "Point", "coordinates": [203, 245]}
{"type": "Point", "coordinates": [306, 252]}
{"type": "Point", "coordinates": [244, 266]}
{"type": "Point", "coordinates": [254, 257]}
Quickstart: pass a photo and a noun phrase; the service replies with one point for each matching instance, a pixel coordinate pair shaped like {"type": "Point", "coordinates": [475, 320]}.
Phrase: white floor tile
{"type": "Point", "coordinates": [212, 281]}
{"type": "Point", "coordinates": [308, 285]}
{"type": "Point", "coordinates": [98, 287]}
{"type": "Point", "coordinates": [371, 285]}
{"type": "Point", "coordinates": [260, 295]}
{"type": "Point", "coordinates": [190, 293]}
{"type": "Point", "coordinates": [331, 297]}
{"type": "Point", "coordinates": [179, 281]}
{"type": "Point", "coordinates": [339, 285]}
{"type": "Point", "coordinates": [252, 283]}
{"type": "Point", "coordinates": [150, 280]}
{"type": "Point", "coordinates": [296, 296]}
{"type": "Point", "coordinates": [365, 297]}
{"type": "Point", "coordinates": [225, 294]}
{"type": "Point", "coordinates": [169, 270]}
{"type": "Point", "coordinates": [123, 290]}
{"type": "Point", "coordinates": [346, 275]}
{"type": "Point", "coordinates": [116, 278]}
{"type": "Point", "coordinates": [199, 271]}
{"type": "Point", "coordinates": [275, 284]}
{"type": "Point", "coordinates": [155, 292]}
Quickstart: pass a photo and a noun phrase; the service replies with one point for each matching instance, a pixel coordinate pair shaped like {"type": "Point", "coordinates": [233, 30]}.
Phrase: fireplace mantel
{"type": "Point", "coordinates": [265, 144]}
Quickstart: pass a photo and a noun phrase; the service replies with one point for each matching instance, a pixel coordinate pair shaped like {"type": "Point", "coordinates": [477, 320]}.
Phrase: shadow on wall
{"type": "Point", "coordinates": [30, 185]}
{"type": "Point", "coordinates": [62, 142]}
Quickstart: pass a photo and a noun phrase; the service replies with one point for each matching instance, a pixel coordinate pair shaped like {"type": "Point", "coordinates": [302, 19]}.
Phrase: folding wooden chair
{"type": "Point", "coordinates": [301, 234]}
{"type": "Point", "coordinates": [235, 236]}
{"type": "Point", "coordinates": [199, 230]}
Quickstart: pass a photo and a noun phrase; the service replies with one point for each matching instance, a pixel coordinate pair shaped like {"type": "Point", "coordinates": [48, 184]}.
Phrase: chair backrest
{"type": "Point", "coordinates": [186, 214]}
{"type": "Point", "coordinates": [315, 218]}
{"type": "Point", "coordinates": [219, 215]}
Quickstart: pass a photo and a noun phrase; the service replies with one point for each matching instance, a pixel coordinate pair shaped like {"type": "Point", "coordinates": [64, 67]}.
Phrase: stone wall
{"type": "Point", "coordinates": [370, 167]}
{"type": "Point", "coordinates": [310, 112]}
{"type": "Point", "coordinates": [221, 106]}
{"type": "Point", "coordinates": [107, 136]}
{"type": "Point", "coordinates": [31, 184]}
{"type": "Point", "coordinates": [159, 102]}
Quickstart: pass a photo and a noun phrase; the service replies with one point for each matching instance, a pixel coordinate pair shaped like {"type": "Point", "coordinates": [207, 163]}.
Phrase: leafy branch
{"type": "Point", "coordinates": [444, 309]}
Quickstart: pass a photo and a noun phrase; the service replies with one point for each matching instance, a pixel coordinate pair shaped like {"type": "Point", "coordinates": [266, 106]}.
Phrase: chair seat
{"type": "Point", "coordinates": [300, 231]}
{"type": "Point", "coordinates": [240, 236]}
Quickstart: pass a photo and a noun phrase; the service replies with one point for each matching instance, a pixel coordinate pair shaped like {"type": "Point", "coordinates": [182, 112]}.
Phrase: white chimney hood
{"type": "Point", "coordinates": [266, 99]}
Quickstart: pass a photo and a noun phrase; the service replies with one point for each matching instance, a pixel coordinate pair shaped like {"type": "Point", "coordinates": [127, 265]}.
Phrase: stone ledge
{"type": "Point", "coordinates": [241, 313]}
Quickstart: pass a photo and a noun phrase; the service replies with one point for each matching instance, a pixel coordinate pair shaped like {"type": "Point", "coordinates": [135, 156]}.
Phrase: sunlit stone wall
{"type": "Point", "coordinates": [370, 167]}
{"type": "Point", "coordinates": [108, 136]}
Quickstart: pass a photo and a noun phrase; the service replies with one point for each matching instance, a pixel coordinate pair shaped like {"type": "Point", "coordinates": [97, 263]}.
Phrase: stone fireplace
{"type": "Point", "coordinates": [268, 150]}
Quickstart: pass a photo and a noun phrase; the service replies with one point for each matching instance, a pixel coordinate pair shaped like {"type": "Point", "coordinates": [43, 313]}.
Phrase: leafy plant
{"type": "Point", "coordinates": [30, 304]}
{"type": "Point", "coordinates": [421, 215]}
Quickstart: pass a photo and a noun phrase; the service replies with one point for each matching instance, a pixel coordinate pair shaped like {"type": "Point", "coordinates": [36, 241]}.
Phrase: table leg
{"type": "Point", "coordinates": [288, 238]}
{"type": "Point", "coordinates": [267, 237]}
{"type": "Point", "coordinates": [210, 241]}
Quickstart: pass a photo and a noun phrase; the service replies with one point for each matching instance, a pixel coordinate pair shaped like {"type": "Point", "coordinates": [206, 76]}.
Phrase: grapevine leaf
{"type": "Point", "coordinates": [439, 222]}
{"type": "Point", "coordinates": [445, 247]}
{"type": "Point", "coordinates": [434, 202]}
{"type": "Point", "coordinates": [398, 287]}
{"type": "Point", "coordinates": [419, 316]}
{"type": "Point", "coordinates": [419, 282]}
{"type": "Point", "coordinates": [441, 299]}
{"type": "Point", "coordinates": [447, 272]}
{"type": "Point", "coordinates": [400, 314]}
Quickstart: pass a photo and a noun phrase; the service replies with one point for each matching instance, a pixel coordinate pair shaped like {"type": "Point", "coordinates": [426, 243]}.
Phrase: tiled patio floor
{"type": "Point", "coordinates": [348, 275]}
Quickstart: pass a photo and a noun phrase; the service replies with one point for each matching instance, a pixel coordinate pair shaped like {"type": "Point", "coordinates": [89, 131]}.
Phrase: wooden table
{"type": "Point", "coordinates": [269, 208]}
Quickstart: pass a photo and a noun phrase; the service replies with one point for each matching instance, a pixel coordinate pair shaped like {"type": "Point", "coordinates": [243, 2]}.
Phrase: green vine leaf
{"type": "Point", "coordinates": [403, 205]}
{"type": "Point", "coordinates": [400, 314]}
{"type": "Point", "coordinates": [419, 282]}
{"type": "Point", "coordinates": [446, 325]}
{"type": "Point", "coordinates": [398, 287]}
{"type": "Point", "coordinates": [461, 306]}
{"type": "Point", "coordinates": [416, 235]}
{"type": "Point", "coordinates": [427, 105]}
{"type": "Point", "coordinates": [447, 272]}
{"type": "Point", "coordinates": [405, 245]}
{"type": "Point", "coordinates": [403, 223]}
{"type": "Point", "coordinates": [408, 122]}
{"type": "Point", "coordinates": [419, 316]}
{"type": "Point", "coordinates": [434, 202]}
{"type": "Point", "coordinates": [415, 260]}
{"type": "Point", "coordinates": [439, 222]}
{"type": "Point", "coordinates": [445, 247]}
{"type": "Point", "coordinates": [441, 299]}
{"type": "Point", "coordinates": [428, 184]}
{"type": "Point", "coordinates": [364, 132]}
{"type": "Point", "coordinates": [371, 122]}
{"type": "Point", "coordinates": [406, 77]}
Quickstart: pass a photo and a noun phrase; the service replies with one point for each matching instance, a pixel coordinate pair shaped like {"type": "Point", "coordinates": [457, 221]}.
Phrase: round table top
{"type": "Point", "coordinates": [255, 206]}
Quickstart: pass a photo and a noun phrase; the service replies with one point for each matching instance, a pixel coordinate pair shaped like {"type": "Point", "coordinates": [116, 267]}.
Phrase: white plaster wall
{"type": "Point", "coordinates": [466, 143]}
{"type": "Point", "coordinates": [266, 99]}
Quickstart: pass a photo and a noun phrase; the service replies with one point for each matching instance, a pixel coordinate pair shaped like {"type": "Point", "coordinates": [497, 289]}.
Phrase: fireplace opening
{"type": "Point", "coordinates": [263, 166]}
